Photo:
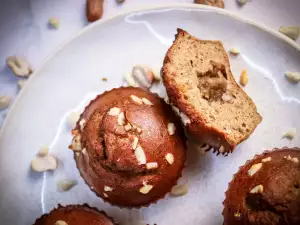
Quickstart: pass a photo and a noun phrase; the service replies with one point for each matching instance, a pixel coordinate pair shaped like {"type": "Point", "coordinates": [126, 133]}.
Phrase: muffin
{"type": "Point", "coordinates": [129, 147]}
{"type": "Point", "coordinates": [266, 191]}
{"type": "Point", "coordinates": [75, 215]}
{"type": "Point", "coordinates": [215, 109]}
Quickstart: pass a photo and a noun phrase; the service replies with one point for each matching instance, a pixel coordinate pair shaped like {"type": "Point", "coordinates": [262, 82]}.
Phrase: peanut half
{"type": "Point", "coordinates": [19, 65]}
{"type": "Point", "coordinates": [66, 185]}
{"type": "Point", "coordinates": [244, 78]}
{"type": "Point", "coordinates": [180, 190]}
{"type": "Point", "coordinates": [41, 164]}
{"type": "Point", "coordinates": [4, 102]}
{"type": "Point", "coordinates": [290, 31]}
{"type": "Point", "coordinates": [293, 77]}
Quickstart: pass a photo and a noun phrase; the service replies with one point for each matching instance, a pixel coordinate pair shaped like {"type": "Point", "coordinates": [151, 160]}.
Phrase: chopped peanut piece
{"type": "Point", "coordinates": [244, 78]}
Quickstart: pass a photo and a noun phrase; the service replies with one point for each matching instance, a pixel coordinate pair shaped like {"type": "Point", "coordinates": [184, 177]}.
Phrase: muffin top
{"type": "Point", "coordinates": [74, 215]}
{"type": "Point", "coordinates": [266, 190]}
{"type": "Point", "coordinates": [131, 147]}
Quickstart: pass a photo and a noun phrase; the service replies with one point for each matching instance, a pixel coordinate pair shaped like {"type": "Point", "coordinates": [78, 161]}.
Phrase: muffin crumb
{"type": "Point", "coordinates": [254, 169]}
{"type": "Point", "coordinates": [170, 158]}
{"type": "Point", "coordinates": [257, 189]}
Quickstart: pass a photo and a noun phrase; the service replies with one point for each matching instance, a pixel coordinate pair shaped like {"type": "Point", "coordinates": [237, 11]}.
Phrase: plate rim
{"type": "Point", "coordinates": [143, 9]}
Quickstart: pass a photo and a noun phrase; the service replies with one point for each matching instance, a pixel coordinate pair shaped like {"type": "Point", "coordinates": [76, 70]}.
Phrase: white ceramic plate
{"type": "Point", "coordinates": [72, 76]}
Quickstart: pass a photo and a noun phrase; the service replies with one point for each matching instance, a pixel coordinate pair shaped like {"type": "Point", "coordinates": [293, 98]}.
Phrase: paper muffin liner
{"type": "Point", "coordinates": [241, 168]}
{"type": "Point", "coordinates": [80, 207]}
{"type": "Point", "coordinates": [154, 201]}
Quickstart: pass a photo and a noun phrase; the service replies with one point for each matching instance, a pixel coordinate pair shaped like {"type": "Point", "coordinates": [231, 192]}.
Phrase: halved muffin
{"type": "Point", "coordinates": [200, 85]}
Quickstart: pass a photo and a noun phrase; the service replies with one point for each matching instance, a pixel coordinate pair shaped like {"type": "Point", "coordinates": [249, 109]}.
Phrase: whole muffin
{"type": "Point", "coordinates": [266, 191]}
{"type": "Point", "coordinates": [75, 215]}
{"type": "Point", "coordinates": [129, 147]}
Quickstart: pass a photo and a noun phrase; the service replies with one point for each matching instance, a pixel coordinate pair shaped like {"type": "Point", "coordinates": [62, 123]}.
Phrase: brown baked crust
{"type": "Point", "coordinates": [75, 215]}
{"type": "Point", "coordinates": [278, 204]}
{"type": "Point", "coordinates": [198, 127]}
{"type": "Point", "coordinates": [109, 159]}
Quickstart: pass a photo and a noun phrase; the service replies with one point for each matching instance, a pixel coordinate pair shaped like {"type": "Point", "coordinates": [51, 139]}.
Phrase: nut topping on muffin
{"type": "Point", "coordinates": [170, 158]}
{"type": "Point", "coordinates": [136, 99]}
{"type": "Point", "coordinates": [146, 188]}
{"type": "Point", "coordinates": [257, 189]}
{"type": "Point", "coordinates": [128, 142]}
{"type": "Point", "coordinates": [254, 169]}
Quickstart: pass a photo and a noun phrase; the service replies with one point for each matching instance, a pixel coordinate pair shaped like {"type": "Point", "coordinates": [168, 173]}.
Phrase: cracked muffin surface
{"type": "Point", "coordinates": [129, 147]}
{"type": "Point", "coordinates": [266, 191]}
